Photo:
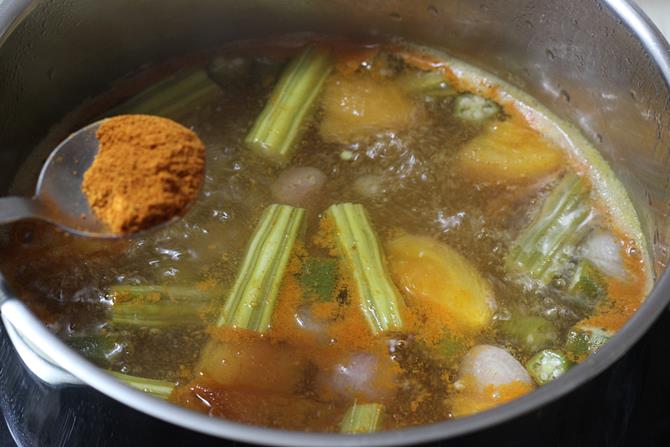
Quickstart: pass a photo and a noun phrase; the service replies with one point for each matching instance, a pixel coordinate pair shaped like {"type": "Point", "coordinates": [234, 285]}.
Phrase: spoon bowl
{"type": "Point", "coordinates": [58, 192]}
{"type": "Point", "coordinates": [58, 197]}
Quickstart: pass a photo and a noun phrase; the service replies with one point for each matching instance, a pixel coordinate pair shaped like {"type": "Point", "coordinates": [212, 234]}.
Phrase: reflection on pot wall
{"type": "Point", "coordinates": [659, 11]}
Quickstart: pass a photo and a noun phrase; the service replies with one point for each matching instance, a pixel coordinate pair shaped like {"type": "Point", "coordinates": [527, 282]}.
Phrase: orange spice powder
{"type": "Point", "coordinates": [625, 296]}
{"type": "Point", "coordinates": [148, 170]}
{"type": "Point", "coordinates": [472, 400]}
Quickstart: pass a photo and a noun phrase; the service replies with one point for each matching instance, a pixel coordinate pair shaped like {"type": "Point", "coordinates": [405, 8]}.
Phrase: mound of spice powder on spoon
{"type": "Point", "coordinates": [148, 170]}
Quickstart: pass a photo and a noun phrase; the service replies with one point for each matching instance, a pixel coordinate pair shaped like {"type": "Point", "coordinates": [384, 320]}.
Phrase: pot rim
{"type": "Point", "coordinates": [36, 333]}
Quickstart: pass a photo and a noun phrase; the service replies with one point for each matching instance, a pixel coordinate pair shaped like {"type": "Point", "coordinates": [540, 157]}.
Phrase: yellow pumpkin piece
{"type": "Point", "coordinates": [357, 106]}
{"type": "Point", "coordinates": [509, 152]}
{"type": "Point", "coordinates": [430, 270]}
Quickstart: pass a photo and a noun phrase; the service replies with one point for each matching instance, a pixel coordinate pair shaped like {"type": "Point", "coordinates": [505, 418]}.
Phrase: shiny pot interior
{"type": "Point", "coordinates": [597, 64]}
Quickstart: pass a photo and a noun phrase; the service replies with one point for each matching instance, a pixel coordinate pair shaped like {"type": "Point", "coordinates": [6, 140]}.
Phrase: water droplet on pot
{"type": "Point", "coordinates": [565, 95]}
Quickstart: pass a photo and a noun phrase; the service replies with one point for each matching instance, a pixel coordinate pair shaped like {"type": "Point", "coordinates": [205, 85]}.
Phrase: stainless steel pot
{"type": "Point", "coordinates": [598, 64]}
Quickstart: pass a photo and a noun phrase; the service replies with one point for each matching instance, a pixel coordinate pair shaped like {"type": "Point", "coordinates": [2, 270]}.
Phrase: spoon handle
{"type": "Point", "coordinates": [19, 208]}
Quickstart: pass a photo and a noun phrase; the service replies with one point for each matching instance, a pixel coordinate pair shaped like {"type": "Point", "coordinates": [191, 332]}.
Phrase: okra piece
{"type": "Point", "coordinates": [362, 418]}
{"type": "Point", "coordinates": [157, 388]}
{"type": "Point", "coordinates": [426, 83]}
{"type": "Point", "coordinates": [542, 250]}
{"type": "Point", "coordinates": [531, 332]}
{"type": "Point", "coordinates": [172, 97]}
{"type": "Point", "coordinates": [362, 255]}
{"type": "Point", "coordinates": [474, 108]}
{"type": "Point", "coordinates": [278, 127]}
{"type": "Point", "coordinates": [587, 286]}
{"type": "Point", "coordinates": [158, 306]}
{"type": "Point", "coordinates": [584, 340]}
{"type": "Point", "coordinates": [252, 299]}
{"type": "Point", "coordinates": [547, 365]}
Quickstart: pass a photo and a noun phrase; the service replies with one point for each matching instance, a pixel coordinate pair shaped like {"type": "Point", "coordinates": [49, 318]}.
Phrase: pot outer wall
{"type": "Point", "coordinates": [624, 406]}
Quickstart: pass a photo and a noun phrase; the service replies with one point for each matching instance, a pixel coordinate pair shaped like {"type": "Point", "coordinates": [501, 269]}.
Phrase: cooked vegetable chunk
{"type": "Point", "coordinates": [278, 127]}
{"type": "Point", "coordinates": [360, 375]}
{"type": "Point", "coordinates": [362, 255]}
{"type": "Point", "coordinates": [298, 186]}
{"type": "Point", "coordinates": [471, 107]}
{"type": "Point", "coordinates": [357, 106]}
{"type": "Point", "coordinates": [426, 83]}
{"type": "Point", "coordinates": [253, 297]}
{"type": "Point", "coordinates": [542, 249]}
{"type": "Point", "coordinates": [489, 376]}
{"type": "Point", "coordinates": [450, 349]}
{"type": "Point", "coordinates": [362, 418]}
{"type": "Point", "coordinates": [319, 278]}
{"type": "Point", "coordinates": [245, 359]}
{"type": "Point", "coordinates": [100, 349]}
{"type": "Point", "coordinates": [158, 306]}
{"type": "Point", "coordinates": [172, 97]}
{"type": "Point", "coordinates": [532, 333]}
{"type": "Point", "coordinates": [370, 186]}
{"type": "Point", "coordinates": [492, 366]}
{"type": "Point", "coordinates": [430, 270]}
{"type": "Point", "coordinates": [584, 339]}
{"type": "Point", "coordinates": [547, 365]}
{"type": "Point", "coordinates": [587, 286]}
{"type": "Point", "coordinates": [157, 388]}
{"type": "Point", "coordinates": [604, 252]}
{"type": "Point", "coordinates": [508, 152]}
{"type": "Point", "coordinates": [253, 362]}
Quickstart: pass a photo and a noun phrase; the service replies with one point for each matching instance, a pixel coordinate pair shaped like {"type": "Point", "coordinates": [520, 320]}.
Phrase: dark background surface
{"type": "Point", "coordinates": [625, 406]}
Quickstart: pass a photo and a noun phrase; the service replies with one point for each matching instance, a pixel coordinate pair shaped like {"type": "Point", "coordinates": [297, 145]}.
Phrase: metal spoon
{"type": "Point", "coordinates": [58, 196]}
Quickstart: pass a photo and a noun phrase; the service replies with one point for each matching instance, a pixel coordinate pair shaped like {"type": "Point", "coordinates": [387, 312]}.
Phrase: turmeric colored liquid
{"type": "Point", "coordinates": [319, 355]}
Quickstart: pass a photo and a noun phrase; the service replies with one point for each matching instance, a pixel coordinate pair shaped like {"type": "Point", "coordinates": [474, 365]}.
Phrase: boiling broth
{"type": "Point", "coordinates": [319, 356]}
